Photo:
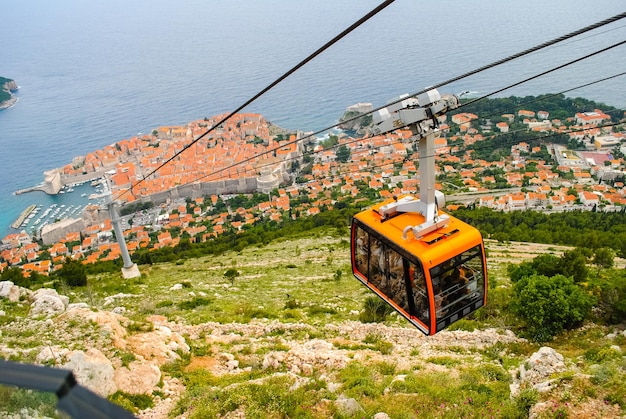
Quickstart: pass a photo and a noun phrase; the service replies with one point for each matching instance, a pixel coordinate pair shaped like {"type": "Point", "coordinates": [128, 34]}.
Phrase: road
{"type": "Point", "coordinates": [470, 197]}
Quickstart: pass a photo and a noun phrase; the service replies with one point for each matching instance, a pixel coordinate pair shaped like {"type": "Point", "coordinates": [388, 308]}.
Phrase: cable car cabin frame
{"type": "Point", "coordinates": [432, 281]}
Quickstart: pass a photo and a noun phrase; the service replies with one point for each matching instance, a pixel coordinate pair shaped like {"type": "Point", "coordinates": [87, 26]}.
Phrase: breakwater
{"type": "Point", "coordinates": [17, 223]}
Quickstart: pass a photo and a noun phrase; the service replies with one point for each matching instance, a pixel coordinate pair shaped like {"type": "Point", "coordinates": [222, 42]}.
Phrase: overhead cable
{"type": "Point", "coordinates": [330, 43]}
{"type": "Point", "coordinates": [310, 57]}
{"type": "Point", "coordinates": [490, 137]}
{"type": "Point", "coordinates": [544, 73]}
{"type": "Point", "coordinates": [439, 85]}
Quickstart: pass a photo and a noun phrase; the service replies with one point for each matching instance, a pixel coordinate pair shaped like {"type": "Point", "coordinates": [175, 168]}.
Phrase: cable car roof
{"type": "Point", "coordinates": [432, 249]}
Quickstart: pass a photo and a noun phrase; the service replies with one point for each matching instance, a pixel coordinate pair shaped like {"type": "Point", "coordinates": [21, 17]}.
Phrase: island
{"type": "Point", "coordinates": [7, 88]}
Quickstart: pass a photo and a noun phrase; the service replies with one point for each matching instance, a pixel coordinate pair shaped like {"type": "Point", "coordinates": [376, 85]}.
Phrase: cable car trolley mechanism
{"type": "Point", "coordinates": [428, 265]}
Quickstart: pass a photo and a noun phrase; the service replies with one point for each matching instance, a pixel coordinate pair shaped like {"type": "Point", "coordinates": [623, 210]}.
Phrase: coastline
{"type": "Point", "coordinates": [8, 103]}
{"type": "Point", "coordinates": [10, 87]}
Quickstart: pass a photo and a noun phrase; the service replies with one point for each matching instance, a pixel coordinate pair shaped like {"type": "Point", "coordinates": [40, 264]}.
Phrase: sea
{"type": "Point", "coordinates": [91, 73]}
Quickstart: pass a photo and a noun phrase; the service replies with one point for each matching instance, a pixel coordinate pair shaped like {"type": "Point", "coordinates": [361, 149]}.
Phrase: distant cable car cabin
{"type": "Point", "coordinates": [428, 265]}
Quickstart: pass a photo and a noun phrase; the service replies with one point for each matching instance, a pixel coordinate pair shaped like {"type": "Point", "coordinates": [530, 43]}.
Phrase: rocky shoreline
{"type": "Point", "coordinates": [9, 87]}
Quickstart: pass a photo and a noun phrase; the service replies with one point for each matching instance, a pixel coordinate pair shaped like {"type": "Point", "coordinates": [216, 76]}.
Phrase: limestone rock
{"type": "Point", "coordinates": [93, 370]}
{"type": "Point", "coordinates": [348, 406]}
{"type": "Point", "coordinates": [52, 293]}
{"type": "Point", "coordinates": [333, 387]}
{"type": "Point", "coordinates": [160, 345]}
{"type": "Point", "coordinates": [541, 365]}
{"type": "Point", "coordinates": [176, 287]}
{"type": "Point", "coordinates": [54, 354]}
{"type": "Point", "coordinates": [232, 365]}
{"type": "Point", "coordinates": [47, 305]}
{"type": "Point", "coordinates": [545, 362]}
{"type": "Point", "coordinates": [77, 305]}
{"type": "Point", "coordinates": [273, 360]}
{"type": "Point", "coordinates": [544, 386]}
{"type": "Point", "coordinates": [111, 298]}
{"type": "Point", "coordinates": [10, 291]}
{"type": "Point", "coordinates": [109, 323]}
{"type": "Point", "coordinates": [139, 378]}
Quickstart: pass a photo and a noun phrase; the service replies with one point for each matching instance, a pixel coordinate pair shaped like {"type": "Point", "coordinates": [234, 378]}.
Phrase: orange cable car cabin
{"type": "Point", "coordinates": [433, 280]}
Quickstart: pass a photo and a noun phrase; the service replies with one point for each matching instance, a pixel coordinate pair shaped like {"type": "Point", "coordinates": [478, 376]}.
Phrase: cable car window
{"type": "Point", "coordinates": [396, 285]}
{"type": "Point", "coordinates": [361, 251]}
{"type": "Point", "coordinates": [377, 265]}
{"type": "Point", "coordinates": [419, 292]}
{"type": "Point", "coordinates": [391, 274]}
{"type": "Point", "coordinates": [457, 284]}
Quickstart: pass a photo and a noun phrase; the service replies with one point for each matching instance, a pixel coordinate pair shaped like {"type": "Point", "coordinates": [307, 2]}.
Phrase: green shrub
{"type": "Point", "coordinates": [250, 312]}
{"type": "Point", "coordinates": [291, 303]}
{"type": "Point", "coordinates": [15, 400]}
{"type": "Point", "coordinates": [464, 325]}
{"type": "Point", "coordinates": [127, 358]}
{"type": "Point", "coordinates": [612, 296]}
{"type": "Point", "coordinates": [550, 304]}
{"type": "Point", "coordinates": [132, 402]}
{"type": "Point", "coordinates": [317, 309]}
{"type": "Point", "coordinates": [134, 326]}
{"type": "Point", "coordinates": [358, 380]}
{"type": "Point", "coordinates": [73, 273]}
{"type": "Point", "coordinates": [375, 310]}
{"type": "Point", "coordinates": [194, 302]}
{"type": "Point", "coordinates": [601, 354]}
{"type": "Point", "coordinates": [443, 360]}
{"type": "Point", "coordinates": [525, 401]}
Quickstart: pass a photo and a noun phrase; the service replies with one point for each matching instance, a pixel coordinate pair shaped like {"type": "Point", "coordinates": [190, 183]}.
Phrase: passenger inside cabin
{"type": "Point", "coordinates": [418, 289]}
{"type": "Point", "coordinates": [362, 251]}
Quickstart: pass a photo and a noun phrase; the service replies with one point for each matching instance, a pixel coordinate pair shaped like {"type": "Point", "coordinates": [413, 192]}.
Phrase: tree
{"type": "Point", "coordinates": [548, 305]}
{"type": "Point", "coordinates": [231, 274]}
{"type": "Point", "coordinates": [547, 264]}
{"type": "Point", "coordinates": [343, 154]}
{"type": "Point", "coordinates": [15, 275]}
{"type": "Point", "coordinates": [73, 273]}
{"type": "Point", "coordinates": [574, 264]}
{"type": "Point", "coordinates": [612, 296]}
{"type": "Point", "coordinates": [517, 272]}
{"type": "Point", "coordinates": [604, 257]}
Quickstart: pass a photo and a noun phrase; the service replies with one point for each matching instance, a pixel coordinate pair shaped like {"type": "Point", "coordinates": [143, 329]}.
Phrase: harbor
{"type": "Point", "coordinates": [48, 209]}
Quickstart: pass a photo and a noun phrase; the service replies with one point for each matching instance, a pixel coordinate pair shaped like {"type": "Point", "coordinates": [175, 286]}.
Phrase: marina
{"type": "Point", "coordinates": [48, 209]}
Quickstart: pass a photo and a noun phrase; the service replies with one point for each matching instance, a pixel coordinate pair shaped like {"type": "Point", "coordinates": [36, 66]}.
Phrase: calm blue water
{"type": "Point", "coordinates": [92, 73]}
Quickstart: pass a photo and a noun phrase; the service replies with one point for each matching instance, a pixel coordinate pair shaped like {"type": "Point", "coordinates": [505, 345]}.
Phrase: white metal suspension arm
{"type": "Point", "coordinates": [409, 111]}
{"type": "Point", "coordinates": [423, 122]}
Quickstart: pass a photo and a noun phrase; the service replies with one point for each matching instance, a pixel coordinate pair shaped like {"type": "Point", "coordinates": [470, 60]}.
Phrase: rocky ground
{"type": "Point", "coordinates": [110, 350]}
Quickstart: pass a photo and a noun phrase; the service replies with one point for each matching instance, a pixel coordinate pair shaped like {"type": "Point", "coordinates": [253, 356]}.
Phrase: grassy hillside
{"type": "Point", "coordinates": [281, 337]}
